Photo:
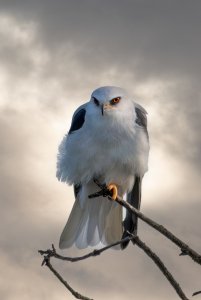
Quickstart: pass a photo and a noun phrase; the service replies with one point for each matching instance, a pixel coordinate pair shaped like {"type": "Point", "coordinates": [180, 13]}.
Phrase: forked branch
{"type": "Point", "coordinates": [185, 249]}
{"type": "Point", "coordinates": [52, 253]}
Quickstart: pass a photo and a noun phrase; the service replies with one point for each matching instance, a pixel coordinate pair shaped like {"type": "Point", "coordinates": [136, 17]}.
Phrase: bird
{"type": "Point", "coordinates": [107, 142]}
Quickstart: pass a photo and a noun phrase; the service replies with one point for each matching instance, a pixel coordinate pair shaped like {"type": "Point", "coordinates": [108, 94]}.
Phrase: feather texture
{"type": "Point", "coordinates": [92, 221]}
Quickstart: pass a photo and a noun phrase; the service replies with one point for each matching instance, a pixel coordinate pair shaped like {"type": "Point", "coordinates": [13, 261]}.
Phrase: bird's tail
{"type": "Point", "coordinates": [92, 221]}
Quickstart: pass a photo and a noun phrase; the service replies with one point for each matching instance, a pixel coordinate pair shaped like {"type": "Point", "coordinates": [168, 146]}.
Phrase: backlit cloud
{"type": "Point", "coordinates": [52, 55]}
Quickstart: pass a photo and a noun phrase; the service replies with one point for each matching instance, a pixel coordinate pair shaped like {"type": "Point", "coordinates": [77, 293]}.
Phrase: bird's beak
{"type": "Point", "coordinates": [105, 107]}
{"type": "Point", "coordinates": [102, 109]}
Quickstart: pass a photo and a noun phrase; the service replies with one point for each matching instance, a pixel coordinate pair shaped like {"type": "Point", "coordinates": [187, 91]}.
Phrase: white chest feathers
{"type": "Point", "coordinates": [114, 148]}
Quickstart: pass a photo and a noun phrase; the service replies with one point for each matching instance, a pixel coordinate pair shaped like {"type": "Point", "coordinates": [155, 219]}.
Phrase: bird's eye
{"type": "Point", "coordinates": [115, 100]}
{"type": "Point", "coordinates": [96, 101]}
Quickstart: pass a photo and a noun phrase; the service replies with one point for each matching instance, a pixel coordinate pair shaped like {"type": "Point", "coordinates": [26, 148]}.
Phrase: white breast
{"type": "Point", "coordinates": [114, 149]}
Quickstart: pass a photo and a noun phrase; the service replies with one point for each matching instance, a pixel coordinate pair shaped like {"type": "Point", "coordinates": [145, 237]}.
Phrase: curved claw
{"type": "Point", "coordinates": [113, 189]}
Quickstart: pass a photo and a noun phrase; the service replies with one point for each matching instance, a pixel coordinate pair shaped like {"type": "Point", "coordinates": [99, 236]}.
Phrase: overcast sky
{"type": "Point", "coordinates": [53, 54]}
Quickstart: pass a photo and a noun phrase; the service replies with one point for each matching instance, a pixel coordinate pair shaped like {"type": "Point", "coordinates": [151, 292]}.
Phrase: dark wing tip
{"type": "Point", "coordinates": [141, 118]}
{"type": "Point", "coordinates": [130, 222]}
{"type": "Point", "coordinates": [77, 188]}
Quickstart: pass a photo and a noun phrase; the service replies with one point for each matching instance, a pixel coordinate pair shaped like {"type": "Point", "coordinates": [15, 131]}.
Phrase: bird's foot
{"type": "Point", "coordinates": [112, 187]}
{"type": "Point", "coordinates": [106, 190]}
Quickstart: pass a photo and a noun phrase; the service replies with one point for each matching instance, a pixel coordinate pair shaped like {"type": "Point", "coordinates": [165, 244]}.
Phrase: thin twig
{"type": "Point", "coordinates": [52, 252]}
{"type": "Point", "coordinates": [77, 295]}
{"type": "Point", "coordinates": [185, 249]}
{"type": "Point", "coordinates": [183, 246]}
{"type": "Point", "coordinates": [196, 293]}
{"type": "Point", "coordinates": [161, 266]}
{"type": "Point", "coordinates": [47, 254]}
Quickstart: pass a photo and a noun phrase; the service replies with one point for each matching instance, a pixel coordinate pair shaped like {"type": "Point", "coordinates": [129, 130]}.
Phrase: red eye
{"type": "Point", "coordinates": [115, 100]}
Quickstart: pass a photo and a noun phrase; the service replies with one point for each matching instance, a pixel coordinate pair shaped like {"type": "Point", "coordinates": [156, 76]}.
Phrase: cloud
{"type": "Point", "coordinates": [53, 54]}
{"type": "Point", "coordinates": [155, 39]}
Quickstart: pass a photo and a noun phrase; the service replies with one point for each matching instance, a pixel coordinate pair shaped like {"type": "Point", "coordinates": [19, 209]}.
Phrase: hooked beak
{"type": "Point", "coordinates": [102, 109]}
{"type": "Point", "coordinates": [105, 107]}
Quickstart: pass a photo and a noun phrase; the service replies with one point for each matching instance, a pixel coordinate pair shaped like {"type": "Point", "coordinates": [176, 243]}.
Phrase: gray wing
{"type": "Point", "coordinates": [134, 197]}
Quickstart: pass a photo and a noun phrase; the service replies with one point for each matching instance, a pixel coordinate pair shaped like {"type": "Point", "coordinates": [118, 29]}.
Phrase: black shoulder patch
{"type": "Point", "coordinates": [78, 120]}
{"type": "Point", "coordinates": [141, 119]}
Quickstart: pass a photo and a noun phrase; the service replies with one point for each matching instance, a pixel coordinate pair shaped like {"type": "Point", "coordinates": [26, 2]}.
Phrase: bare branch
{"type": "Point", "coordinates": [196, 293]}
{"type": "Point", "coordinates": [52, 253]}
{"type": "Point", "coordinates": [161, 266]}
{"type": "Point", "coordinates": [185, 249]}
{"type": "Point", "coordinates": [47, 254]}
{"type": "Point", "coordinates": [47, 263]}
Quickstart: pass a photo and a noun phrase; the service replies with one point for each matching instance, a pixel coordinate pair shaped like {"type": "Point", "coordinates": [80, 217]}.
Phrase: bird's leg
{"type": "Point", "coordinates": [112, 187]}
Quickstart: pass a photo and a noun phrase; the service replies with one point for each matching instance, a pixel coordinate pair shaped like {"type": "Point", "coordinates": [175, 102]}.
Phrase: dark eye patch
{"type": "Point", "coordinates": [96, 101]}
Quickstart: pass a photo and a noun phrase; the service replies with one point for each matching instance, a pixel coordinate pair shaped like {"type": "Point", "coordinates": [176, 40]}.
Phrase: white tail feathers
{"type": "Point", "coordinates": [92, 221]}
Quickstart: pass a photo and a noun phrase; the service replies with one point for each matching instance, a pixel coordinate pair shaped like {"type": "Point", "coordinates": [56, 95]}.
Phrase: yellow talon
{"type": "Point", "coordinates": [113, 188]}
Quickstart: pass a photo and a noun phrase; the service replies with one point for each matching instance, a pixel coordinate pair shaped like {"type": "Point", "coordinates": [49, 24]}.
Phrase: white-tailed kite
{"type": "Point", "coordinates": [107, 141]}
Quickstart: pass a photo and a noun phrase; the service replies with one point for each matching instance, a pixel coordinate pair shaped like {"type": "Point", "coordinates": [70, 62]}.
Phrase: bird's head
{"type": "Point", "coordinates": [109, 100]}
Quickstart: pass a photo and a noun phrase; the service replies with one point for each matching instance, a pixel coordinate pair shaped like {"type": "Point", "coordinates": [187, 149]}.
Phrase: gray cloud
{"type": "Point", "coordinates": [140, 42]}
{"type": "Point", "coordinates": [155, 39]}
